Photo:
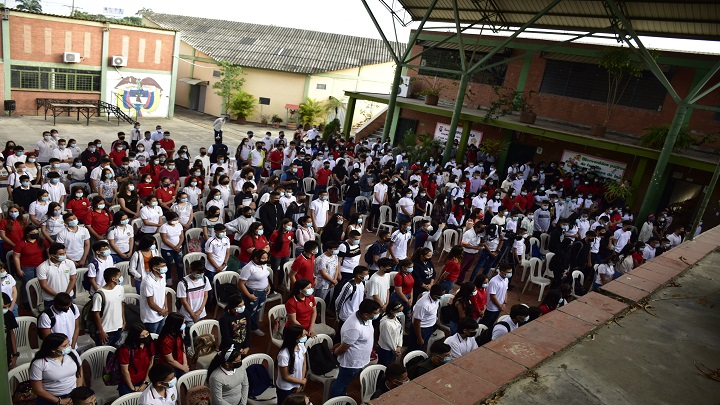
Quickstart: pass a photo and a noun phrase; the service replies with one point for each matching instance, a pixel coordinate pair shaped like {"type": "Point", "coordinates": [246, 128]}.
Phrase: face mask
{"type": "Point", "coordinates": [25, 184]}
{"type": "Point", "coordinates": [240, 310]}
{"type": "Point", "coordinates": [141, 149]}
{"type": "Point", "coordinates": [335, 252]}
{"type": "Point", "coordinates": [3, 274]}
{"type": "Point", "coordinates": [73, 223]}
{"type": "Point", "coordinates": [309, 292]}
{"type": "Point", "coordinates": [485, 285]}
{"type": "Point", "coordinates": [565, 227]}
{"type": "Point", "coordinates": [474, 293]}
{"type": "Point", "coordinates": [31, 160]}
{"type": "Point", "coordinates": [324, 198]}
{"type": "Point", "coordinates": [193, 183]}
{"type": "Point", "coordinates": [121, 279]}
{"type": "Point", "coordinates": [360, 221]}
{"type": "Point", "coordinates": [5, 311]}
{"type": "Point", "coordinates": [407, 228]}
{"type": "Point", "coordinates": [171, 167]}
{"type": "Point", "coordinates": [163, 270]}
{"type": "Point", "coordinates": [101, 206]}
{"type": "Point", "coordinates": [171, 383]}
{"type": "Point", "coordinates": [221, 235]}
{"type": "Point", "coordinates": [33, 236]}
{"type": "Point", "coordinates": [19, 153]}
{"type": "Point", "coordinates": [260, 232]}
{"type": "Point", "coordinates": [182, 327]}
{"type": "Point", "coordinates": [309, 225]}
{"type": "Point", "coordinates": [375, 317]}
{"type": "Point", "coordinates": [446, 360]}
{"type": "Point", "coordinates": [217, 197]}
{"type": "Point", "coordinates": [527, 318]}
{"type": "Point", "coordinates": [509, 275]}
{"type": "Point", "coordinates": [340, 222]}
{"type": "Point", "coordinates": [153, 203]}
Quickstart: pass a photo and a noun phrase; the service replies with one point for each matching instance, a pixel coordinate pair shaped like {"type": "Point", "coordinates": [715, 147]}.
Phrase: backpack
{"type": "Point", "coordinates": [87, 323]}
{"type": "Point", "coordinates": [361, 207]}
{"type": "Point", "coordinates": [178, 302]}
{"type": "Point", "coordinates": [369, 258]}
{"type": "Point", "coordinates": [194, 245]}
{"type": "Point", "coordinates": [486, 335]}
{"type": "Point", "coordinates": [258, 379]}
{"type": "Point", "coordinates": [197, 396]}
{"type": "Point", "coordinates": [86, 278]}
{"type": "Point", "coordinates": [226, 290]}
{"type": "Point", "coordinates": [411, 365]}
{"type": "Point", "coordinates": [203, 345]}
{"type": "Point", "coordinates": [24, 395]}
{"type": "Point", "coordinates": [233, 264]}
{"type": "Point", "coordinates": [333, 195]}
{"type": "Point", "coordinates": [340, 291]}
{"type": "Point", "coordinates": [132, 314]}
{"type": "Point", "coordinates": [321, 360]}
{"type": "Point", "coordinates": [49, 312]}
{"type": "Point", "coordinates": [111, 370]}
{"type": "Point", "coordinates": [579, 288]}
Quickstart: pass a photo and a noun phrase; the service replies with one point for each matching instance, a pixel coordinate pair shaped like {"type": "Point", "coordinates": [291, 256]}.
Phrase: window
{"type": "Point", "coordinates": [450, 59]}
{"type": "Point", "coordinates": [42, 78]}
{"type": "Point", "coordinates": [590, 82]}
{"type": "Point", "coordinates": [217, 73]}
{"type": "Point", "coordinates": [321, 86]}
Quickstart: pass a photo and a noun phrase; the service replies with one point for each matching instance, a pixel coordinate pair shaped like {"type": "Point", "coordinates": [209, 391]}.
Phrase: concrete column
{"type": "Point", "coordinates": [6, 59]}
{"type": "Point", "coordinates": [462, 87]}
{"type": "Point", "coordinates": [173, 78]}
{"type": "Point", "coordinates": [349, 113]}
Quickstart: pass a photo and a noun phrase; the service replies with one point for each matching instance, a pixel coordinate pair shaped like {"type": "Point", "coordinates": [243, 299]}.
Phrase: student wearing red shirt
{"type": "Point", "coordinates": [167, 144]}
{"type": "Point", "coordinates": [117, 154]}
{"type": "Point", "coordinates": [145, 187]}
{"type": "Point", "coordinates": [136, 358]}
{"type": "Point", "coordinates": [301, 307]}
{"type": "Point", "coordinates": [451, 271]}
{"type": "Point", "coordinates": [253, 239]}
{"type": "Point", "coordinates": [280, 242]}
{"type": "Point", "coordinates": [12, 228]}
{"type": "Point", "coordinates": [321, 178]}
{"type": "Point", "coordinates": [77, 203]}
{"type": "Point", "coordinates": [170, 171]}
{"type": "Point", "coordinates": [304, 264]}
{"type": "Point", "coordinates": [165, 193]}
{"type": "Point", "coordinates": [170, 348]}
{"type": "Point", "coordinates": [404, 283]}
{"type": "Point", "coordinates": [28, 253]}
{"type": "Point", "coordinates": [276, 157]}
{"type": "Point", "coordinates": [479, 299]}
{"type": "Point", "coordinates": [98, 220]}
{"type": "Point", "coordinates": [153, 168]}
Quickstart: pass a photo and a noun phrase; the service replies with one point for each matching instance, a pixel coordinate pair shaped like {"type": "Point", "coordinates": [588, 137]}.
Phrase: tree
{"type": "Point", "coordinates": [144, 11]}
{"type": "Point", "coordinates": [231, 81]}
{"type": "Point", "coordinates": [29, 5]}
{"type": "Point", "coordinates": [100, 17]}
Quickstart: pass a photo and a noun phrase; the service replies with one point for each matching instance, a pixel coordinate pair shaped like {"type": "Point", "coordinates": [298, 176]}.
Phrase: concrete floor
{"type": "Point", "coordinates": [643, 359]}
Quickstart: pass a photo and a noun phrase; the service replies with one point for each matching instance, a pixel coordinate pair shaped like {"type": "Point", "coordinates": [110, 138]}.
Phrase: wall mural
{"type": "Point", "coordinates": [140, 95]}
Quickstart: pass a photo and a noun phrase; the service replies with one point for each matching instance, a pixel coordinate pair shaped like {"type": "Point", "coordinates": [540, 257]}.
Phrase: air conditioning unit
{"type": "Point", "coordinates": [71, 57]}
{"type": "Point", "coordinates": [118, 61]}
{"type": "Point", "coordinates": [405, 88]}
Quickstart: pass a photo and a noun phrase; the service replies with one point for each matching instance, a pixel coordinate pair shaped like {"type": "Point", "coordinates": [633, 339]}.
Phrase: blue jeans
{"type": "Point", "coordinates": [41, 401]}
{"type": "Point", "coordinates": [118, 259]}
{"type": "Point", "coordinates": [172, 256]}
{"type": "Point", "coordinates": [124, 389]}
{"type": "Point", "coordinates": [29, 274]}
{"type": "Point", "coordinates": [385, 357]}
{"type": "Point", "coordinates": [155, 327]}
{"type": "Point", "coordinates": [447, 286]}
{"type": "Point", "coordinates": [113, 338]}
{"type": "Point", "coordinates": [425, 333]}
{"type": "Point", "coordinates": [282, 394]}
{"type": "Point", "coordinates": [486, 261]}
{"type": "Point", "coordinates": [258, 173]}
{"type": "Point", "coordinates": [254, 307]}
{"type": "Point", "coordinates": [344, 378]}
{"type": "Point", "coordinates": [489, 318]}
{"type": "Point", "coordinates": [348, 205]}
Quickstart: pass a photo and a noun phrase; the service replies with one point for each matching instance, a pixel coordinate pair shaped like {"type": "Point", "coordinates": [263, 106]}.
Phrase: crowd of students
{"type": "Point", "coordinates": [307, 199]}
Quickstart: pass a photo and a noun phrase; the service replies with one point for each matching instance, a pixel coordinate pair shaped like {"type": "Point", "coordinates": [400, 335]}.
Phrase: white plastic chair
{"type": "Point", "coordinates": [276, 314]}
{"type": "Point", "coordinates": [272, 297]}
{"type": "Point", "coordinates": [533, 242]}
{"type": "Point", "coordinates": [328, 378]}
{"type": "Point", "coordinates": [286, 271]}
{"type": "Point", "coordinates": [34, 294]}
{"type": "Point", "coordinates": [127, 280]}
{"type": "Point", "coordinates": [269, 396]}
{"type": "Point", "coordinates": [412, 355]}
{"type": "Point", "coordinates": [577, 274]}
{"type": "Point", "coordinates": [525, 266]}
{"type": "Point", "coordinates": [132, 298]}
{"type": "Point", "coordinates": [204, 327]}
{"type": "Point", "coordinates": [190, 258]}
{"type": "Point", "coordinates": [322, 327]}
{"type": "Point", "coordinates": [234, 250]}
{"type": "Point", "coordinates": [189, 380]}
{"type": "Point", "coordinates": [158, 238]}
{"type": "Point", "coordinates": [536, 277]}
{"type": "Point", "coordinates": [481, 328]}
{"type": "Point", "coordinates": [170, 297]}
{"type": "Point", "coordinates": [113, 209]}
{"type": "Point", "coordinates": [385, 219]}
{"type": "Point", "coordinates": [368, 381]}
{"type": "Point", "coordinates": [359, 199]}
{"type": "Point", "coordinates": [335, 207]}
{"type": "Point", "coordinates": [16, 376]}
{"type": "Point", "coordinates": [198, 216]}
{"type": "Point", "coordinates": [548, 259]}
{"type": "Point", "coordinates": [129, 399]}
{"type": "Point", "coordinates": [192, 233]}
{"type": "Point", "coordinates": [415, 220]}
{"type": "Point", "coordinates": [224, 277]}
{"type": "Point", "coordinates": [137, 223]}
{"type": "Point", "coordinates": [544, 243]}
{"type": "Point", "coordinates": [309, 187]}
{"type": "Point", "coordinates": [22, 339]}
{"type": "Point", "coordinates": [82, 296]}
{"type": "Point", "coordinates": [342, 400]}
{"type": "Point", "coordinates": [436, 335]}
{"type": "Point", "coordinates": [96, 358]}
{"type": "Point", "coordinates": [450, 239]}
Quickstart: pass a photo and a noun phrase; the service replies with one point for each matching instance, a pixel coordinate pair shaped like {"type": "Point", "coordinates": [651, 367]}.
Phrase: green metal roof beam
{"type": "Point", "coordinates": [693, 96]}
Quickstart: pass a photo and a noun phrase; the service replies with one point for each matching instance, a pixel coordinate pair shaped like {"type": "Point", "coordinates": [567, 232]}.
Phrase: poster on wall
{"type": "Point", "coordinates": [442, 132]}
{"type": "Point", "coordinates": [610, 169]}
{"type": "Point", "coordinates": [139, 94]}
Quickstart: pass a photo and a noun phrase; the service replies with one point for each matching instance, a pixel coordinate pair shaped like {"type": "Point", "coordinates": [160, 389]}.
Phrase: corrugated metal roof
{"type": "Point", "coordinates": [694, 19]}
{"type": "Point", "coordinates": [276, 48]}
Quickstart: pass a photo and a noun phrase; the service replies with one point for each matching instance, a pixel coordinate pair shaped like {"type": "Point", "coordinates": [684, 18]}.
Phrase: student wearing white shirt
{"type": "Point", "coordinates": [121, 237]}
{"type": "Point", "coordinates": [397, 248]}
{"type": "Point", "coordinates": [463, 342]}
{"type": "Point", "coordinates": [406, 206]}
{"type": "Point", "coordinates": [150, 215]}
{"type": "Point", "coordinates": [61, 317]}
{"type": "Point", "coordinates": [55, 371]}
{"type": "Point", "coordinates": [254, 284]}
{"type": "Point", "coordinates": [622, 236]}
{"type": "Point", "coordinates": [8, 286]}
{"type": "Point", "coordinates": [356, 343]}
{"type": "Point", "coordinates": [75, 238]}
{"type": "Point", "coordinates": [292, 367]}
{"type": "Point", "coordinates": [217, 250]}
{"type": "Point", "coordinates": [56, 190]}
{"type": "Point", "coordinates": [108, 309]}
{"type": "Point", "coordinates": [147, 248]}
{"type": "Point", "coordinates": [172, 235]}
{"type": "Point", "coordinates": [676, 237]}
{"type": "Point", "coordinates": [379, 197]}
{"type": "Point", "coordinates": [378, 286]}
{"type": "Point", "coordinates": [319, 209]}
{"type": "Point", "coordinates": [351, 294]}
{"type": "Point", "coordinates": [497, 291]}
{"type": "Point", "coordinates": [54, 222]}
{"type": "Point", "coordinates": [153, 308]}
{"type": "Point", "coordinates": [56, 274]}
{"type": "Point", "coordinates": [390, 338]}
{"type": "Point", "coordinates": [650, 249]}
{"type": "Point", "coordinates": [193, 290]}
{"type": "Point", "coordinates": [424, 317]}
{"type": "Point", "coordinates": [97, 266]}
{"type": "Point", "coordinates": [162, 390]}
{"type": "Point", "coordinates": [518, 313]}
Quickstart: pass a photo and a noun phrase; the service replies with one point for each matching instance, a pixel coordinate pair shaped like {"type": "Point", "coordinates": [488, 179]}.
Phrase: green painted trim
{"type": "Point", "coordinates": [194, 58]}
{"type": "Point", "coordinates": [462, 147]}
{"type": "Point", "coordinates": [699, 75]}
{"type": "Point", "coordinates": [393, 125]}
{"type": "Point", "coordinates": [524, 72]}
{"type": "Point", "coordinates": [349, 113]}
{"type": "Point", "coordinates": [637, 178]}
{"type": "Point", "coordinates": [104, 64]}
{"type": "Point", "coordinates": [663, 60]}
{"type": "Point", "coordinates": [173, 75]}
{"type": "Point", "coordinates": [306, 91]}
{"type": "Point", "coordinates": [8, 96]}
{"type": "Point", "coordinates": [55, 65]}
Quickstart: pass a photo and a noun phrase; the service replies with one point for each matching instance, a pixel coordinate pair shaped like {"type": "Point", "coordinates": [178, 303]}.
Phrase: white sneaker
{"type": "Point", "coordinates": [258, 332]}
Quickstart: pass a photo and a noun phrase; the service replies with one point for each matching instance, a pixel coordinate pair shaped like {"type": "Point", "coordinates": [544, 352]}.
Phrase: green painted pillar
{"type": "Point", "coordinates": [462, 87]}
{"type": "Point", "coordinates": [505, 148]}
{"type": "Point", "coordinates": [104, 96]}
{"type": "Point", "coordinates": [306, 92]}
{"type": "Point", "coordinates": [173, 78]}
{"type": "Point", "coordinates": [393, 125]}
{"type": "Point", "coordinates": [464, 138]}
{"type": "Point", "coordinates": [349, 113]}
{"type": "Point", "coordinates": [7, 61]}
{"type": "Point", "coordinates": [655, 188]}
{"type": "Point", "coordinates": [390, 116]}
{"type": "Point", "coordinates": [524, 71]}
{"type": "Point", "coordinates": [708, 190]}
{"type": "Point", "coordinates": [637, 178]}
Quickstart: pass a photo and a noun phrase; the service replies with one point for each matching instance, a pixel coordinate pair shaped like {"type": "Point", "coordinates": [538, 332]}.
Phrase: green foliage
{"type": "Point", "coordinates": [231, 81]}
{"type": "Point", "coordinates": [312, 112]}
{"type": "Point", "coordinates": [29, 5]}
{"type": "Point", "coordinates": [419, 147]}
{"type": "Point", "coordinates": [276, 119]}
{"type": "Point", "coordinates": [242, 104]}
{"type": "Point", "coordinates": [492, 147]}
{"type": "Point", "coordinates": [100, 17]}
{"type": "Point", "coordinates": [333, 127]}
{"type": "Point", "coordinates": [617, 190]}
{"type": "Point", "coordinates": [333, 106]}
{"type": "Point", "coordinates": [621, 69]}
{"type": "Point", "coordinates": [508, 101]}
{"type": "Point", "coordinates": [655, 139]}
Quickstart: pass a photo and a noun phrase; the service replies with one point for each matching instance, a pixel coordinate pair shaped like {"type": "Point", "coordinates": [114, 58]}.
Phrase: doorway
{"type": "Point", "coordinates": [404, 125]}
{"type": "Point", "coordinates": [197, 97]}
{"type": "Point", "coordinates": [519, 152]}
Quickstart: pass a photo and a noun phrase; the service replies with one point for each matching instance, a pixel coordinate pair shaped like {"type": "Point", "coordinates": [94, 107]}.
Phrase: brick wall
{"type": "Point", "coordinates": [144, 50]}
{"type": "Point", "coordinates": [26, 99]}
{"type": "Point", "coordinates": [377, 123]}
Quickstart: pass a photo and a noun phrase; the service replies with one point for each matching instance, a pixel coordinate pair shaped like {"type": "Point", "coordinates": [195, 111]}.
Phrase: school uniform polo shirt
{"type": "Point", "coordinates": [57, 276]}
{"type": "Point", "coordinates": [425, 310]}
{"type": "Point", "coordinates": [459, 346]}
{"type": "Point", "coordinates": [151, 397]}
{"type": "Point", "coordinates": [304, 268]}
{"type": "Point", "coordinates": [302, 309]}
{"type": "Point", "coordinates": [359, 336]}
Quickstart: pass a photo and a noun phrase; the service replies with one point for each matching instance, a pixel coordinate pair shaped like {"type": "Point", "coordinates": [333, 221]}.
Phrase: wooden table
{"type": "Point", "coordinates": [87, 110]}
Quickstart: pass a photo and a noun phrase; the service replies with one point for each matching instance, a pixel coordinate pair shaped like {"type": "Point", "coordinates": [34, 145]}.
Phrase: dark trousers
{"type": "Point", "coordinates": [489, 318]}
{"type": "Point", "coordinates": [372, 216]}
{"type": "Point", "coordinates": [467, 261]}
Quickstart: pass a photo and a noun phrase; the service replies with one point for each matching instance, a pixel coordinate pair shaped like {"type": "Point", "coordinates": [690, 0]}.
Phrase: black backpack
{"type": "Point", "coordinates": [86, 278]}
{"type": "Point", "coordinates": [369, 259]}
{"type": "Point", "coordinates": [486, 335]}
{"type": "Point", "coordinates": [132, 314]}
{"type": "Point", "coordinates": [178, 303]}
{"type": "Point", "coordinates": [87, 323]}
{"type": "Point", "coordinates": [321, 360]}
{"type": "Point", "coordinates": [49, 312]}
{"type": "Point", "coordinates": [361, 207]}
{"type": "Point", "coordinates": [258, 379]}
{"type": "Point", "coordinates": [226, 290]}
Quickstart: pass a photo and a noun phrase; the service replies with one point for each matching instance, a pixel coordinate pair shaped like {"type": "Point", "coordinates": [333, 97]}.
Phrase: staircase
{"type": "Point", "coordinates": [113, 109]}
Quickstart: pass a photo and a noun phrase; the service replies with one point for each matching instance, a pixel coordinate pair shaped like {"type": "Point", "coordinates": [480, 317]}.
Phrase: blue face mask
{"type": "Point", "coordinates": [198, 276]}
{"type": "Point", "coordinates": [182, 327]}
{"type": "Point", "coordinates": [303, 339]}
{"type": "Point", "coordinates": [508, 275]}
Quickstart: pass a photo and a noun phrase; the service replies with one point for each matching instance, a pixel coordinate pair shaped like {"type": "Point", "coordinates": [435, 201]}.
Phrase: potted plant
{"type": "Point", "coordinates": [617, 192]}
{"type": "Point", "coordinates": [419, 147]}
{"type": "Point", "coordinates": [432, 90]}
{"type": "Point", "coordinates": [655, 138]}
{"type": "Point", "coordinates": [332, 128]}
{"type": "Point", "coordinates": [264, 118]}
{"type": "Point", "coordinates": [522, 102]}
{"type": "Point", "coordinates": [504, 104]}
{"type": "Point", "coordinates": [276, 120]}
{"type": "Point", "coordinates": [243, 105]}
{"type": "Point", "coordinates": [621, 69]}
{"type": "Point", "coordinates": [311, 113]}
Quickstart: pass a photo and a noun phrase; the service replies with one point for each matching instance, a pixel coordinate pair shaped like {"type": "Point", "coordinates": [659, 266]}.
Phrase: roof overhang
{"type": "Point", "coordinates": [193, 81]}
{"type": "Point", "coordinates": [693, 19]}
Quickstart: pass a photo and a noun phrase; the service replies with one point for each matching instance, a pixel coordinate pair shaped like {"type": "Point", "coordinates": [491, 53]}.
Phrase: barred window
{"type": "Point", "coordinates": [450, 59]}
{"type": "Point", "coordinates": [43, 78]}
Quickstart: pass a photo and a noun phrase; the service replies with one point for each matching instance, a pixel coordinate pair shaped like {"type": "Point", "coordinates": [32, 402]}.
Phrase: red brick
{"type": "Point", "coordinates": [490, 366]}
{"type": "Point", "coordinates": [519, 349]}
{"type": "Point", "coordinates": [625, 291]}
{"type": "Point", "coordinates": [659, 268]}
{"type": "Point", "coordinates": [586, 312]}
{"type": "Point", "coordinates": [650, 275]}
{"type": "Point", "coordinates": [603, 302]}
{"type": "Point", "coordinates": [455, 386]}
{"type": "Point", "coordinates": [409, 394]}
{"type": "Point", "coordinates": [566, 323]}
{"type": "Point", "coordinates": [638, 282]}
{"type": "Point", "coordinates": [545, 336]}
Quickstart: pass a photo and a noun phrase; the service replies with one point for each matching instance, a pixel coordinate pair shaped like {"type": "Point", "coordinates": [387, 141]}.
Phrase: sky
{"type": "Point", "coordinates": [347, 17]}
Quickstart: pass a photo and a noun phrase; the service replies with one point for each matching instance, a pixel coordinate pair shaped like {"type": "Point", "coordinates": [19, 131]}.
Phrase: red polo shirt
{"type": "Point", "coordinates": [31, 253]}
{"type": "Point", "coordinates": [405, 281]}
{"type": "Point", "coordinates": [99, 221]}
{"type": "Point", "coordinates": [305, 268]}
{"type": "Point", "coordinates": [172, 345]}
{"type": "Point", "coordinates": [165, 194]}
{"type": "Point", "coordinates": [284, 250]}
{"type": "Point", "coordinates": [322, 176]}
{"type": "Point", "coordinates": [140, 363]}
{"type": "Point", "coordinates": [302, 309]}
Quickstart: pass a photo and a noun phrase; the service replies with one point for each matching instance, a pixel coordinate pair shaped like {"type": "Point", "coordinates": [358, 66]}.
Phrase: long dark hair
{"type": "Point", "coordinates": [291, 334]}
{"type": "Point", "coordinates": [224, 356]}
{"type": "Point", "coordinates": [172, 325]}
{"type": "Point", "coordinates": [52, 342]}
{"type": "Point", "coordinates": [132, 341]}
{"type": "Point", "coordinates": [299, 286]}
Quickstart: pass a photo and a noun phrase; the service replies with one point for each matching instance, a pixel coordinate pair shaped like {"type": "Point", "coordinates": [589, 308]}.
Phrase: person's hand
{"type": "Point", "coordinates": [13, 360]}
{"type": "Point", "coordinates": [398, 351]}
{"type": "Point", "coordinates": [184, 367]}
{"type": "Point", "coordinates": [502, 307]}
{"type": "Point", "coordinates": [245, 350]}
{"type": "Point", "coordinates": [442, 226]}
{"type": "Point", "coordinates": [103, 336]}
{"type": "Point", "coordinates": [395, 260]}
{"type": "Point", "coordinates": [311, 332]}
{"type": "Point", "coordinates": [66, 401]}
{"type": "Point", "coordinates": [164, 312]}
{"type": "Point", "coordinates": [195, 318]}
{"type": "Point", "coordinates": [303, 381]}
{"type": "Point", "coordinates": [267, 248]}
{"type": "Point", "coordinates": [20, 273]}
{"type": "Point", "coordinates": [253, 297]}
{"type": "Point", "coordinates": [420, 341]}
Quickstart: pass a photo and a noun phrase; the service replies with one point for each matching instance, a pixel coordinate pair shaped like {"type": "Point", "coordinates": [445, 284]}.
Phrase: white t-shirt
{"type": "Point", "coordinates": [391, 333]}
{"type": "Point", "coordinates": [121, 234]}
{"type": "Point", "coordinates": [359, 336]}
{"type": "Point", "coordinates": [604, 269]}
{"type": "Point", "coordinates": [55, 191]}
{"type": "Point", "coordinates": [319, 210]}
{"type": "Point", "coordinates": [112, 315]}
{"type": "Point", "coordinates": [347, 302]}
{"type": "Point", "coordinates": [471, 238]}
{"type": "Point", "coordinates": [425, 310]}
{"type": "Point", "coordinates": [348, 264]}
{"type": "Point", "coordinates": [218, 249]}
{"type": "Point", "coordinates": [329, 265]}
{"type": "Point", "coordinates": [460, 346]}
{"type": "Point", "coordinates": [151, 397]}
{"type": "Point", "coordinates": [64, 321]}
{"type": "Point", "coordinates": [500, 330]}
{"type": "Point", "coordinates": [400, 243]}
{"type": "Point", "coordinates": [408, 204]}
{"type": "Point", "coordinates": [39, 210]}
{"type": "Point", "coordinates": [155, 288]}
{"type": "Point", "coordinates": [378, 285]}
{"type": "Point", "coordinates": [283, 359]}
{"type": "Point", "coordinates": [519, 246]}
{"type": "Point", "coordinates": [74, 242]}
{"type": "Point", "coordinates": [498, 285]}
{"type": "Point", "coordinates": [195, 294]}
{"type": "Point", "coordinates": [380, 189]}
{"type": "Point", "coordinates": [57, 376]}
{"type": "Point", "coordinates": [152, 214]}
{"type": "Point", "coordinates": [56, 275]}
{"type": "Point", "coordinates": [7, 284]}
{"type": "Point", "coordinates": [256, 276]}
{"type": "Point", "coordinates": [622, 238]}
{"type": "Point", "coordinates": [173, 234]}
{"type": "Point", "coordinates": [98, 270]}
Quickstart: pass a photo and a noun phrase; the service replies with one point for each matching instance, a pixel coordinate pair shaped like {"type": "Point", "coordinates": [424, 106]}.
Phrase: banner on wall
{"type": "Point", "coordinates": [610, 169]}
{"type": "Point", "coordinates": [139, 94]}
{"type": "Point", "coordinates": [442, 132]}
